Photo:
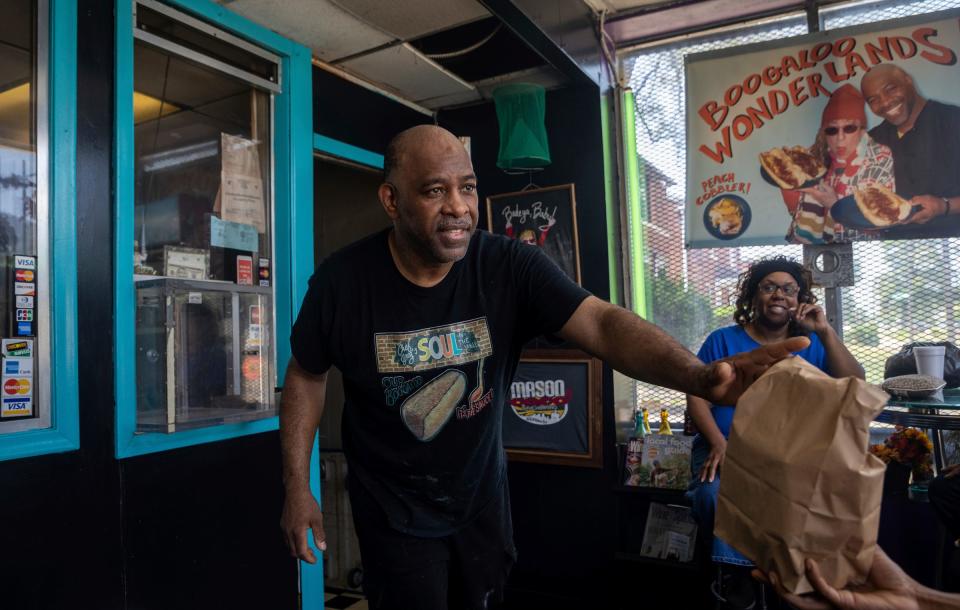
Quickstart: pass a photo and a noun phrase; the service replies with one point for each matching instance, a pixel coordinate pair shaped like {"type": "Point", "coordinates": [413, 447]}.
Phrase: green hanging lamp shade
{"type": "Point", "coordinates": [521, 108]}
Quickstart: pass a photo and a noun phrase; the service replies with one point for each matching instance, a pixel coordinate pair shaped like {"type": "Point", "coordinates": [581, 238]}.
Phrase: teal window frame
{"type": "Point", "coordinates": [338, 148]}
{"type": "Point", "coordinates": [61, 106]}
{"type": "Point", "coordinates": [293, 210]}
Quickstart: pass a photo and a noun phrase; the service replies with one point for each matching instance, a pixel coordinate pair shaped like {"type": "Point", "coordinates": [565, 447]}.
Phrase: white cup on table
{"type": "Point", "coordinates": [929, 359]}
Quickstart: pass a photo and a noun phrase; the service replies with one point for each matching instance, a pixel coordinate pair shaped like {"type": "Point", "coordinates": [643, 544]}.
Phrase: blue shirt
{"type": "Point", "coordinates": [732, 340]}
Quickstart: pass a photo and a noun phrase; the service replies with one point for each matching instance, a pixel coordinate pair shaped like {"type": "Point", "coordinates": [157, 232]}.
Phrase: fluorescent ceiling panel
{"type": "Point", "coordinates": [329, 31]}
{"type": "Point", "coordinates": [406, 71]}
{"type": "Point", "coordinates": [147, 108]}
{"type": "Point", "coordinates": [414, 18]}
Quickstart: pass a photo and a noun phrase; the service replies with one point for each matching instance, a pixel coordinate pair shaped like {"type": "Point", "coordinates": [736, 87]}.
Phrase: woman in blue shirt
{"type": "Point", "coordinates": [774, 302]}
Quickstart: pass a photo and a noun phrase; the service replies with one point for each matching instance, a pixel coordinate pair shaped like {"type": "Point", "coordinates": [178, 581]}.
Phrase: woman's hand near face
{"type": "Point", "coordinates": [810, 318]}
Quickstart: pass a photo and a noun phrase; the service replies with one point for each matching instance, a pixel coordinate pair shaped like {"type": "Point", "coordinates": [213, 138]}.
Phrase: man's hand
{"type": "Point", "coordinates": [725, 380]}
{"type": "Point", "coordinates": [810, 318]}
{"type": "Point", "coordinates": [887, 588]}
{"type": "Point", "coordinates": [301, 511]}
{"type": "Point", "coordinates": [930, 208]}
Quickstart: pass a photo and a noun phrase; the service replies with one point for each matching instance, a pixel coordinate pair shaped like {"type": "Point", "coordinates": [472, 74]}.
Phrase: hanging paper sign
{"type": "Point", "coordinates": [240, 198]}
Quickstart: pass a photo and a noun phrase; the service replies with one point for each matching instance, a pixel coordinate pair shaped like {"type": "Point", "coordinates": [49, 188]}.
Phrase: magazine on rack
{"type": "Point", "coordinates": [670, 533]}
{"type": "Point", "coordinates": [634, 474]}
{"type": "Point", "coordinates": [666, 460]}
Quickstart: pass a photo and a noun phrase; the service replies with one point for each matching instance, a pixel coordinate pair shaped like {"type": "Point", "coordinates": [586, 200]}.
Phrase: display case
{"type": "Point", "coordinates": [204, 354]}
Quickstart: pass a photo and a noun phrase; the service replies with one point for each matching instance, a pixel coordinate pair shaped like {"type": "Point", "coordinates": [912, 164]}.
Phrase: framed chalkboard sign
{"type": "Point", "coordinates": [543, 217]}
{"type": "Point", "coordinates": [553, 415]}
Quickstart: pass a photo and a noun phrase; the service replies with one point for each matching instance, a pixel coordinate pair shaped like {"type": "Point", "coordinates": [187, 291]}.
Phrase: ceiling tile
{"type": "Point", "coordinates": [414, 18]}
{"type": "Point", "coordinates": [406, 71]}
{"type": "Point", "coordinates": [329, 31]}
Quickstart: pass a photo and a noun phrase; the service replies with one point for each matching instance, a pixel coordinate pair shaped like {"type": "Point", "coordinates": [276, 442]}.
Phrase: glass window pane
{"type": "Point", "coordinates": [20, 399]}
{"type": "Point", "coordinates": [689, 290]}
{"type": "Point", "coordinates": [202, 243]}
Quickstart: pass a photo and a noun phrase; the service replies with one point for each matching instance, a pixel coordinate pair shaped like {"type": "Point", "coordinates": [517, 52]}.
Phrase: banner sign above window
{"type": "Point", "coordinates": [846, 135]}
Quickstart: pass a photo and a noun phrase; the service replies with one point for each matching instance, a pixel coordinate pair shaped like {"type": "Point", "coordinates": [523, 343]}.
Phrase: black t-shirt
{"type": "Point", "coordinates": [421, 425]}
{"type": "Point", "coordinates": [925, 163]}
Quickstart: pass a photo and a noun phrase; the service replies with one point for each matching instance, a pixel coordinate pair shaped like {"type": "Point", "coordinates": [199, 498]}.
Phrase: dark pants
{"type": "Point", "coordinates": [944, 496]}
{"type": "Point", "coordinates": [466, 570]}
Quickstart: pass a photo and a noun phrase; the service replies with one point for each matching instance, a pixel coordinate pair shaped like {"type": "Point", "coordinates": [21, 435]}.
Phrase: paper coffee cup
{"type": "Point", "coordinates": [929, 359]}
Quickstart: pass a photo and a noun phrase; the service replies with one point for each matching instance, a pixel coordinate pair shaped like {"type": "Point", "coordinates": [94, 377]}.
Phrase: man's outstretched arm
{"type": "Point", "coordinates": [644, 351]}
{"type": "Point", "coordinates": [301, 407]}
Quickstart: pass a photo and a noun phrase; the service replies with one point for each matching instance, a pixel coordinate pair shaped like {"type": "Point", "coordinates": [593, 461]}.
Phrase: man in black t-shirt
{"type": "Point", "coordinates": [426, 321]}
{"type": "Point", "coordinates": [924, 136]}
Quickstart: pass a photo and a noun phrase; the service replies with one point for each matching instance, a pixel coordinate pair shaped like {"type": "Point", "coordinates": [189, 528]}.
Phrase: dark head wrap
{"type": "Point", "coordinates": [751, 278]}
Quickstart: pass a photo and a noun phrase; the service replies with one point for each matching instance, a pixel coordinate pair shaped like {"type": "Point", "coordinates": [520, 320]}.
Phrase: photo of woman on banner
{"type": "Point", "coordinates": [852, 158]}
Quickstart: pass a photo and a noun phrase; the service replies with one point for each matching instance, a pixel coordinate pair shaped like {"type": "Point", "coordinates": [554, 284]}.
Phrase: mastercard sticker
{"type": "Point", "coordinates": [17, 386]}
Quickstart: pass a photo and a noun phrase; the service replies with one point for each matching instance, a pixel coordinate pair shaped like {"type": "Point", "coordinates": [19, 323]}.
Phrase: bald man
{"type": "Point", "coordinates": [924, 136]}
{"type": "Point", "coordinates": [426, 320]}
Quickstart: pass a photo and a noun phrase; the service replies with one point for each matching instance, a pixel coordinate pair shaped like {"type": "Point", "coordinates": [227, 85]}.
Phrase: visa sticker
{"type": "Point", "coordinates": [16, 407]}
{"type": "Point", "coordinates": [24, 301]}
{"type": "Point", "coordinates": [24, 262]}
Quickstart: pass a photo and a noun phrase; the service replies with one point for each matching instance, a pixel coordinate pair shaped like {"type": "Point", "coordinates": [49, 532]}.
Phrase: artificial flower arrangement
{"type": "Point", "coordinates": [910, 447]}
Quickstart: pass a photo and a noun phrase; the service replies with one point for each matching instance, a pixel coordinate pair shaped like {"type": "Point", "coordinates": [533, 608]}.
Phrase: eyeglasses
{"type": "Point", "coordinates": [832, 131]}
{"type": "Point", "coordinates": [788, 290]}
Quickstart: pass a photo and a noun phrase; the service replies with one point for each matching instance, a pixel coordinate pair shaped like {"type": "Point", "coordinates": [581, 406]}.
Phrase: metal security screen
{"type": "Point", "coordinates": [905, 291]}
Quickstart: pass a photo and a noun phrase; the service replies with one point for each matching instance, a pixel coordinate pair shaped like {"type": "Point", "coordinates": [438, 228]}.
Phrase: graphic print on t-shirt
{"type": "Point", "coordinates": [431, 405]}
{"type": "Point", "coordinates": [431, 348]}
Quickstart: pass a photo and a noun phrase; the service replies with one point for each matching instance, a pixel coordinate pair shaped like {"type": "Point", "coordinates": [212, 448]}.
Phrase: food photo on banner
{"type": "Point", "coordinates": [846, 135]}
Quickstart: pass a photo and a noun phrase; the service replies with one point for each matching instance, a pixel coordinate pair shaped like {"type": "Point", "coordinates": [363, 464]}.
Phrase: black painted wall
{"type": "Point", "coordinates": [360, 117]}
{"type": "Point", "coordinates": [60, 529]}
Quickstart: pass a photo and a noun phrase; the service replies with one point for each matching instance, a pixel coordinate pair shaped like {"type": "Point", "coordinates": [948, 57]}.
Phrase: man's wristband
{"type": "Point", "coordinates": [946, 202]}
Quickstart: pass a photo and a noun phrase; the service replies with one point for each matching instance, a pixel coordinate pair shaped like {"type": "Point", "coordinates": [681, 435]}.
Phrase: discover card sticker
{"type": "Point", "coordinates": [16, 347]}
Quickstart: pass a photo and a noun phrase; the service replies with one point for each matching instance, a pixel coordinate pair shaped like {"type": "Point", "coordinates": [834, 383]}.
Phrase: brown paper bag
{"type": "Point", "coordinates": [798, 480]}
